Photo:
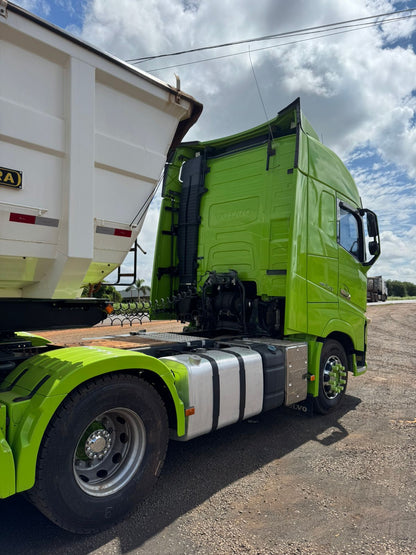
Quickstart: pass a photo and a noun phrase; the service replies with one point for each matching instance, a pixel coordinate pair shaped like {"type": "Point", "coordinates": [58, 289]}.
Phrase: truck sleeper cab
{"type": "Point", "coordinates": [263, 234]}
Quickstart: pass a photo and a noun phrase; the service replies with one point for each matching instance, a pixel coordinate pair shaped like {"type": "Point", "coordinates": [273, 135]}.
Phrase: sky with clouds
{"type": "Point", "coordinates": [357, 88]}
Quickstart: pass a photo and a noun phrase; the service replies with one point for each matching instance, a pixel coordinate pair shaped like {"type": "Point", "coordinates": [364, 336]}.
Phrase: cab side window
{"type": "Point", "coordinates": [349, 232]}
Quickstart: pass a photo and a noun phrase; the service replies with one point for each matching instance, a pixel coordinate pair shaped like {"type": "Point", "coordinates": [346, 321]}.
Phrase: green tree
{"type": "Point", "coordinates": [401, 288]}
{"type": "Point", "coordinates": [102, 291]}
{"type": "Point", "coordinates": [396, 288]}
{"type": "Point", "coordinates": [410, 289]}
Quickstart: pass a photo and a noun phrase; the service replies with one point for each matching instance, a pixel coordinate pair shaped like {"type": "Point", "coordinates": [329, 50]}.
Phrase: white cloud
{"type": "Point", "coordinates": [398, 258]}
{"type": "Point", "coordinates": [357, 88]}
{"type": "Point", "coordinates": [353, 90]}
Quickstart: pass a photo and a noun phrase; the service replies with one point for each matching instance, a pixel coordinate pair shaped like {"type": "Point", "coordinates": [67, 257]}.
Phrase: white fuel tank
{"type": "Point", "coordinates": [83, 142]}
{"type": "Point", "coordinates": [222, 386]}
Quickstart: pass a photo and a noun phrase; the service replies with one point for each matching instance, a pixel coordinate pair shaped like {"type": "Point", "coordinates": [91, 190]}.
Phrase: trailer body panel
{"type": "Point", "coordinates": [80, 130]}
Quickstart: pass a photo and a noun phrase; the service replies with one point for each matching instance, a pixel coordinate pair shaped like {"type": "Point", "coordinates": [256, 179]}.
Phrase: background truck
{"type": "Point", "coordinates": [376, 289]}
{"type": "Point", "coordinates": [261, 250]}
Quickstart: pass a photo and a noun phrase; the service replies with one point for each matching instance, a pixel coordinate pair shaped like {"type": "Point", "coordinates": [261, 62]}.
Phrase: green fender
{"type": "Point", "coordinates": [315, 348]}
{"type": "Point", "coordinates": [341, 326]}
{"type": "Point", "coordinates": [357, 339]}
{"type": "Point", "coordinates": [36, 388]}
{"type": "Point", "coordinates": [36, 340]}
{"type": "Point", "coordinates": [7, 482]}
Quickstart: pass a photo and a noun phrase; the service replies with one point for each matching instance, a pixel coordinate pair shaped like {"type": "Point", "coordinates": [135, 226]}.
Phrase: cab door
{"type": "Point", "coordinates": [352, 279]}
{"type": "Point", "coordinates": [322, 265]}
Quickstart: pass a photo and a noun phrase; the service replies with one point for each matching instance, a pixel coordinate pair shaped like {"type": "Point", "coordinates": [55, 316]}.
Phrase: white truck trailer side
{"type": "Point", "coordinates": [83, 141]}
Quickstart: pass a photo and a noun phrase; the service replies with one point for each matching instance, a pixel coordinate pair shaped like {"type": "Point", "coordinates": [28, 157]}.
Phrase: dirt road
{"type": "Point", "coordinates": [281, 483]}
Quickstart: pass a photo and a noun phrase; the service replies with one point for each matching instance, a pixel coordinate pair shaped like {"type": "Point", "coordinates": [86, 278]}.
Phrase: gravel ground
{"type": "Point", "coordinates": [281, 483]}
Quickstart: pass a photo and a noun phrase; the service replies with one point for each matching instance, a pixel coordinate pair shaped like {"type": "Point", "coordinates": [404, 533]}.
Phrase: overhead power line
{"type": "Point", "coordinates": [322, 30]}
{"type": "Point", "coordinates": [326, 34]}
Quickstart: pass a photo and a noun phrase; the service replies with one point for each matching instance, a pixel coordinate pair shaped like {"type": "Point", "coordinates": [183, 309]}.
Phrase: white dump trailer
{"type": "Point", "coordinates": [83, 141]}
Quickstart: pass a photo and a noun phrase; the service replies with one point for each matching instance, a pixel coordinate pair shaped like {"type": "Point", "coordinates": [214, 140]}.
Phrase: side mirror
{"type": "Point", "coordinates": [373, 248]}
{"type": "Point", "coordinates": [372, 225]}
{"type": "Point", "coordinates": [373, 237]}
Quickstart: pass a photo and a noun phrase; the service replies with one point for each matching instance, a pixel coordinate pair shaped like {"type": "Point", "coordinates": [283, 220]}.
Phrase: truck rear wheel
{"type": "Point", "coordinates": [333, 377]}
{"type": "Point", "coordinates": [101, 454]}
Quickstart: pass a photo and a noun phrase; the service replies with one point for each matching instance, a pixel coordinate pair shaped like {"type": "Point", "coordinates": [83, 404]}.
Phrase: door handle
{"type": "Point", "coordinates": [345, 294]}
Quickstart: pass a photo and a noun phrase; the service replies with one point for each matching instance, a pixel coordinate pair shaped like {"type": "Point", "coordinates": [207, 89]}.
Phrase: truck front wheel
{"type": "Point", "coordinates": [333, 376]}
{"type": "Point", "coordinates": [101, 454]}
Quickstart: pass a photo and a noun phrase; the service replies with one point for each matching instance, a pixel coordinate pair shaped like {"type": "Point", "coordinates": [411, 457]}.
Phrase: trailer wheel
{"type": "Point", "coordinates": [101, 454]}
{"type": "Point", "coordinates": [333, 377]}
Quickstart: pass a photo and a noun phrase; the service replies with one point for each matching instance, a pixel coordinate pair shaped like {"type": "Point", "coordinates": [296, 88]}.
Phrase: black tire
{"type": "Point", "coordinates": [101, 454]}
{"type": "Point", "coordinates": [331, 388]}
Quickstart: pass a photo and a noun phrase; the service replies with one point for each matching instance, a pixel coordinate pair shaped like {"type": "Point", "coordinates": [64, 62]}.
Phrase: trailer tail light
{"type": "Point", "coordinates": [122, 232]}
{"type": "Point", "coordinates": [30, 219]}
{"type": "Point", "coordinates": [118, 232]}
{"type": "Point", "coordinates": [22, 218]}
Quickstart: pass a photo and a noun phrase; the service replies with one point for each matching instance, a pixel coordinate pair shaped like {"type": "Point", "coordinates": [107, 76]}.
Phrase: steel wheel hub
{"type": "Point", "coordinates": [334, 375]}
{"type": "Point", "coordinates": [98, 444]}
{"type": "Point", "coordinates": [109, 452]}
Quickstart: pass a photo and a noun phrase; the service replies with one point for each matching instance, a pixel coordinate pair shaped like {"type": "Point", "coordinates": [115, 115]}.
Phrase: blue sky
{"type": "Point", "coordinates": [358, 89]}
{"type": "Point", "coordinates": [67, 14]}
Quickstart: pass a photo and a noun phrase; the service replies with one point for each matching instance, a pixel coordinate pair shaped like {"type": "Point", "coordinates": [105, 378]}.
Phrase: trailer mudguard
{"type": "Point", "coordinates": [35, 389]}
{"type": "Point", "coordinates": [36, 340]}
{"type": "Point", "coordinates": [7, 482]}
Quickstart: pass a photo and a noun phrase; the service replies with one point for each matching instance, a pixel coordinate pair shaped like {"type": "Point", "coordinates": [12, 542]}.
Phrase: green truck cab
{"type": "Point", "coordinates": [263, 233]}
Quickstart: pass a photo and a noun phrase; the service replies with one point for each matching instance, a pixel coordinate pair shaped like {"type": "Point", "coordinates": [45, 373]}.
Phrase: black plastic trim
{"type": "Point", "coordinates": [296, 105]}
{"type": "Point", "coordinates": [14, 382]}
{"type": "Point", "coordinates": [193, 175]}
{"type": "Point", "coordinates": [42, 314]}
{"type": "Point", "coordinates": [276, 272]}
{"type": "Point", "coordinates": [243, 385]}
{"type": "Point", "coordinates": [34, 390]}
{"type": "Point", "coordinates": [215, 390]}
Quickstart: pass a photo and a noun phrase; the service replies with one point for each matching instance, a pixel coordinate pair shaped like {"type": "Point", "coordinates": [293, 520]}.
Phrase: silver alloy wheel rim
{"type": "Point", "coordinates": [332, 361]}
{"type": "Point", "coordinates": [109, 452]}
